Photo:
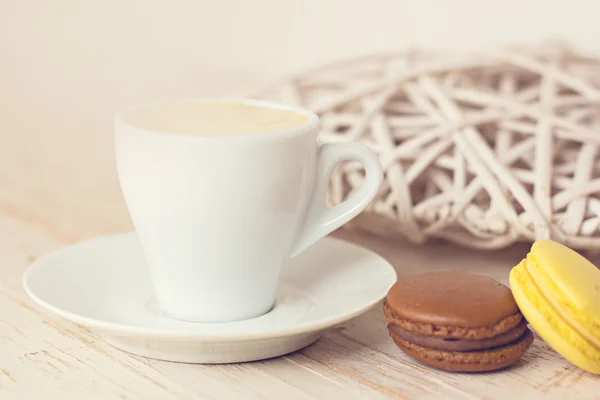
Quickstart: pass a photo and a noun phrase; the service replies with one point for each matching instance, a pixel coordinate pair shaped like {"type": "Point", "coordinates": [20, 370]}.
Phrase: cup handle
{"type": "Point", "coordinates": [322, 220]}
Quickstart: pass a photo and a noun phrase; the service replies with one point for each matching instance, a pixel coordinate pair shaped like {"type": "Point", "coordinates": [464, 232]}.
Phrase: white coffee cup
{"type": "Point", "coordinates": [218, 215]}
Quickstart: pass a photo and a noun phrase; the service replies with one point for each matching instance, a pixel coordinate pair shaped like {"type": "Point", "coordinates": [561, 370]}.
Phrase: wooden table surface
{"type": "Point", "coordinates": [59, 188]}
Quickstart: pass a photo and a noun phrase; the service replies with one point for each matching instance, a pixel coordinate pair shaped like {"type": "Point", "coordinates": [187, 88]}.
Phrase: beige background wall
{"type": "Point", "coordinates": [67, 65]}
{"type": "Point", "coordinates": [90, 55]}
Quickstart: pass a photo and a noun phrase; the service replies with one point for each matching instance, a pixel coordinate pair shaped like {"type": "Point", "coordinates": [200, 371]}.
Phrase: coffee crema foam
{"type": "Point", "coordinates": [205, 118]}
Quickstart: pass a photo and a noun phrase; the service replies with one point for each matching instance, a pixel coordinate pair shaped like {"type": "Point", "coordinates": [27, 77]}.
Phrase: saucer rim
{"type": "Point", "coordinates": [112, 328]}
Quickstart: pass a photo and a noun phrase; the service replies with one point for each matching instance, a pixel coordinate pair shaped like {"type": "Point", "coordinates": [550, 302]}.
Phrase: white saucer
{"type": "Point", "coordinates": [103, 285]}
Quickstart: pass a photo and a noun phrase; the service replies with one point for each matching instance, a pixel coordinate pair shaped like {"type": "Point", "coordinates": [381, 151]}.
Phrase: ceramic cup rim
{"type": "Point", "coordinates": [312, 123]}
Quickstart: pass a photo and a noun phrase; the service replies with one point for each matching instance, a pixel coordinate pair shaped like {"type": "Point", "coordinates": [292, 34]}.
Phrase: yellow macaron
{"type": "Point", "coordinates": [558, 292]}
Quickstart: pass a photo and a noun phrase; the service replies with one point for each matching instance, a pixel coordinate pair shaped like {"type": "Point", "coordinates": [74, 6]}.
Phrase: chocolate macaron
{"type": "Point", "coordinates": [457, 321]}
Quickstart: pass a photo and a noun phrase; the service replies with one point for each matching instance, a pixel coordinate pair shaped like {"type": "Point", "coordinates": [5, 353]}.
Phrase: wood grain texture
{"type": "Point", "coordinates": [41, 355]}
{"type": "Point", "coordinates": [58, 186]}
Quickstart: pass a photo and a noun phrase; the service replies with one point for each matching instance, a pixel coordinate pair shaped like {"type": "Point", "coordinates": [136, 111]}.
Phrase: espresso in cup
{"type": "Point", "coordinates": [205, 118]}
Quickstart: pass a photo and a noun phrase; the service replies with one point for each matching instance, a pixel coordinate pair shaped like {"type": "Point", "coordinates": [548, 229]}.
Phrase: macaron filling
{"type": "Point", "coordinates": [454, 344]}
{"type": "Point", "coordinates": [468, 361]}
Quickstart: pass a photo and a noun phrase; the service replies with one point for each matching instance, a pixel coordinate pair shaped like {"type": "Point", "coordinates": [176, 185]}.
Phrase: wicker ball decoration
{"type": "Point", "coordinates": [481, 149]}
